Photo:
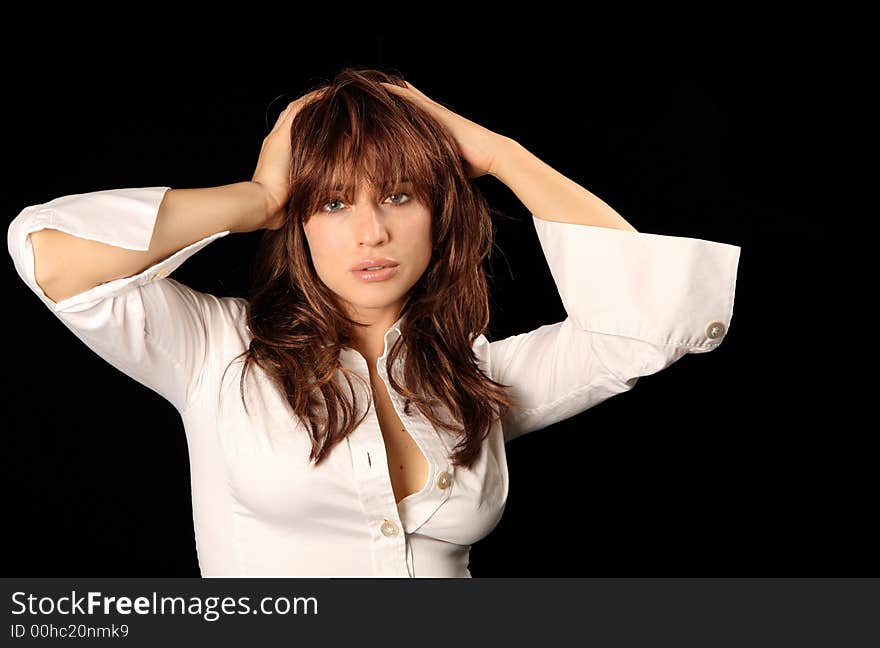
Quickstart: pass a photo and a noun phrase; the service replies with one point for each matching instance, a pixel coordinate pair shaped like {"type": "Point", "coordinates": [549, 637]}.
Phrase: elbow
{"type": "Point", "coordinates": [45, 273]}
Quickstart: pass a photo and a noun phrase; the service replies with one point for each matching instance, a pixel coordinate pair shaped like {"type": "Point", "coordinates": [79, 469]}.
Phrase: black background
{"type": "Point", "coordinates": [733, 463]}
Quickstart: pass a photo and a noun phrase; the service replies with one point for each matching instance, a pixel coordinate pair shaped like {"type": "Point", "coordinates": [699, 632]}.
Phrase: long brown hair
{"type": "Point", "coordinates": [356, 130]}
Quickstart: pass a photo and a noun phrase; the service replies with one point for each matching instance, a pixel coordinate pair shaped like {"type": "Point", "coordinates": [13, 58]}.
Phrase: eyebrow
{"type": "Point", "coordinates": [348, 187]}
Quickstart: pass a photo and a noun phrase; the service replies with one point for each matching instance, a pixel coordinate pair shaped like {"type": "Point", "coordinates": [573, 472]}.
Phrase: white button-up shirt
{"type": "Point", "coordinates": [635, 303]}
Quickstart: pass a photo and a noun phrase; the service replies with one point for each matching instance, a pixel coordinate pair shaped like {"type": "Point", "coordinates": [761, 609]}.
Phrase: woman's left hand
{"type": "Point", "coordinates": [479, 146]}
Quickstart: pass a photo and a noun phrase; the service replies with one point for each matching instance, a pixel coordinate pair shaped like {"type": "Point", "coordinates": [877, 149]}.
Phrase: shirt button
{"type": "Point", "coordinates": [389, 528]}
{"type": "Point", "coordinates": [714, 330]}
{"type": "Point", "coordinates": [444, 480]}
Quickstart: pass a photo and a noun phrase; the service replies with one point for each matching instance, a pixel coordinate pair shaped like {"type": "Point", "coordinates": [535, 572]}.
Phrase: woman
{"type": "Point", "coordinates": [350, 417]}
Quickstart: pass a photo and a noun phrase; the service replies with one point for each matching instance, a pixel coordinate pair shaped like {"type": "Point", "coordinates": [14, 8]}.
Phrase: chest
{"type": "Point", "coordinates": [261, 455]}
{"type": "Point", "coordinates": [407, 465]}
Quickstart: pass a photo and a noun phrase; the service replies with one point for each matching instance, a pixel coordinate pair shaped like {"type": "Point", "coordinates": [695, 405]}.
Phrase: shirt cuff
{"type": "Point", "coordinates": [666, 290]}
{"type": "Point", "coordinates": [121, 217]}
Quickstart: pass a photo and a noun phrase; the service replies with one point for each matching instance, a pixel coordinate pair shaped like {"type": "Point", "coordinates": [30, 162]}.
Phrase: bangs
{"type": "Point", "coordinates": [383, 167]}
{"type": "Point", "coordinates": [380, 150]}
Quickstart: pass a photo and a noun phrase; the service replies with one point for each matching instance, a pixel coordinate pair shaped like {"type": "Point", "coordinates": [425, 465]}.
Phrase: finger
{"type": "Point", "coordinates": [407, 93]}
{"type": "Point", "coordinates": [412, 93]}
{"type": "Point", "coordinates": [415, 90]}
{"type": "Point", "coordinates": [286, 114]}
{"type": "Point", "coordinates": [393, 87]}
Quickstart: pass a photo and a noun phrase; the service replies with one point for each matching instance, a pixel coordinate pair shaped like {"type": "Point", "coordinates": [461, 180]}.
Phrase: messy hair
{"type": "Point", "coordinates": [356, 131]}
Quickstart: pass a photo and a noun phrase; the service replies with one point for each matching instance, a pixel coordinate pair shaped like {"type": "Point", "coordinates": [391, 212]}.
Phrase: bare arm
{"type": "Point", "coordinates": [550, 195]}
{"type": "Point", "coordinates": [66, 265]}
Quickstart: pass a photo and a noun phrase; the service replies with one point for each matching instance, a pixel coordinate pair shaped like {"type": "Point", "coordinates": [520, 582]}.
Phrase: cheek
{"type": "Point", "coordinates": [322, 244]}
{"type": "Point", "coordinates": [423, 238]}
{"type": "Point", "coordinates": [418, 232]}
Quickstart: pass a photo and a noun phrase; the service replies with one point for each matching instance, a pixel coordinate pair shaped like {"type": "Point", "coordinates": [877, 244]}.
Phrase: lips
{"type": "Point", "coordinates": [372, 263]}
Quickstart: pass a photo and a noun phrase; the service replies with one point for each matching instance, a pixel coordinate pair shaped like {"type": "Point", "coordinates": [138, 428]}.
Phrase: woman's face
{"type": "Point", "coordinates": [395, 226]}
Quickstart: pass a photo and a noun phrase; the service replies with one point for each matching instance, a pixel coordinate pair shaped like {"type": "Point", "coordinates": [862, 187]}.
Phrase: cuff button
{"type": "Point", "coordinates": [715, 330]}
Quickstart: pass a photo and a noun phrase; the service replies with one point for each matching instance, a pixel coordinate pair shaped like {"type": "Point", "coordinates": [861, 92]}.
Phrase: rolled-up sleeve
{"type": "Point", "coordinates": [635, 303]}
{"type": "Point", "coordinates": [149, 326]}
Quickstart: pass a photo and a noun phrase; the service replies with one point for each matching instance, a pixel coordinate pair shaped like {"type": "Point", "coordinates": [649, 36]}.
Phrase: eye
{"type": "Point", "coordinates": [401, 193]}
{"type": "Point", "coordinates": [333, 200]}
{"type": "Point", "coordinates": [396, 202]}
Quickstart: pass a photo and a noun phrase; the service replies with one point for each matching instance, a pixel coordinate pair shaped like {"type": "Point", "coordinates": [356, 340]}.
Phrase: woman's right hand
{"type": "Point", "coordinates": [273, 167]}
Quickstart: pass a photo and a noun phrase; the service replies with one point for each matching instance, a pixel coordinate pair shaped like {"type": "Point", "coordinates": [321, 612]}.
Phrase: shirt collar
{"type": "Point", "coordinates": [394, 332]}
{"type": "Point", "coordinates": [391, 335]}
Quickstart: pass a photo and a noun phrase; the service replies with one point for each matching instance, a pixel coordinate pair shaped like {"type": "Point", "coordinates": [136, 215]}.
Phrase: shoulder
{"type": "Point", "coordinates": [480, 348]}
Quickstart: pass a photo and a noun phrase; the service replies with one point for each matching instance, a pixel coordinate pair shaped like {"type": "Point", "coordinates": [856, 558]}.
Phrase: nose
{"type": "Point", "coordinates": [370, 226]}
